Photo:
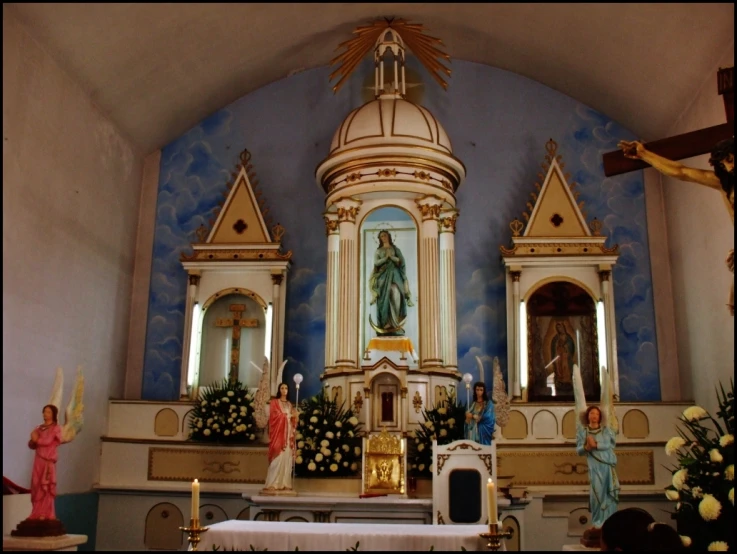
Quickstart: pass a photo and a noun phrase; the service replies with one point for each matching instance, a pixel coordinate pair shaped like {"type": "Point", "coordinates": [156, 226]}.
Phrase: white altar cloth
{"type": "Point", "coordinates": [287, 535]}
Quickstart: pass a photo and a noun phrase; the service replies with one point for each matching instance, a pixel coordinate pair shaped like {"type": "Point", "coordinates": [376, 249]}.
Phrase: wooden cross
{"type": "Point", "coordinates": [686, 145]}
{"type": "Point", "coordinates": [236, 323]}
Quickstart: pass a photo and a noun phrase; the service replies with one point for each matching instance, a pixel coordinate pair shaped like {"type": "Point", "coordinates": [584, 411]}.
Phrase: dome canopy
{"type": "Point", "coordinates": [393, 141]}
{"type": "Point", "coordinates": [390, 120]}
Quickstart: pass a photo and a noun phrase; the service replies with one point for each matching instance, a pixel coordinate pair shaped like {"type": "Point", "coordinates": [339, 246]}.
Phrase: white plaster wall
{"type": "Point", "coordinates": [700, 233]}
{"type": "Point", "coordinates": [71, 186]}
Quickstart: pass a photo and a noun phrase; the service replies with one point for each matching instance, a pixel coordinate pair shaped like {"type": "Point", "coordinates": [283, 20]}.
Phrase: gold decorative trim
{"type": "Point", "coordinates": [417, 402]}
{"type": "Point", "coordinates": [388, 157]}
{"type": "Point", "coordinates": [424, 175]}
{"type": "Point", "coordinates": [229, 468]}
{"type": "Point", "coordinates": [464, 446]}
{"type": "Point", "coordinates": [348, 214]}
{"type": "Point", "coordinates": [575, 467]}
{"type": "Point", "coordinates": [486, 458]}
{"type": "Point", "coordinates": [559, 249]}
{"type": "Point", "coordinates": [194, 279]}
{"type": "Point", "coordinates": [384, 443]}
{"type": "Point", "coordinates": [235, 290]}
{"type": "Point", "coordinates": [604, 275]}
{"type": "Point", "coordinates": [448, 224]}
{"type": "Point", "coordinates": [421, 45]}
{"type": "Point", "coordinates": [331, 225]}
{"type": "Point", "coordinates": [442, 458]}
{"type": "Point", "coordinates": [516, 275]}
{"type": "Point", "coordinates": [429, 211]}
{"type": "Point", "coordinates": [235, 255]}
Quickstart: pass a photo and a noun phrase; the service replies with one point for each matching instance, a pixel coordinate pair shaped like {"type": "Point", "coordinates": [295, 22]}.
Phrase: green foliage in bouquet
{"type": "Point", "coordinates": [328, 444]}
{"type": "Point", "coordinates": [224, 414]}
{"type": "Point", "coordinates": [703, 481]}
{"type": "Point", "coordinates": [443, 423]}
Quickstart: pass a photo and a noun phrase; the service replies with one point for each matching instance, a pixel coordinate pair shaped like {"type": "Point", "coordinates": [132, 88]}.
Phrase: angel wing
{"type": "Point", "coordinates": [481, 369]}
{"type": "Point", "coordinates": [73, 416]}
{"type": "Point", "coordinates": [263, 395]}
{"type": "Point", "coordinates": [275, 383]}
{"type": "Point", "coordinates": [607, 402]}
{"type": "Point", "coordinates": [580, 396]}
{"type": "Point", "coordinates": [499, 395]}
{"type": "Point", "coordinates": [58, 389]}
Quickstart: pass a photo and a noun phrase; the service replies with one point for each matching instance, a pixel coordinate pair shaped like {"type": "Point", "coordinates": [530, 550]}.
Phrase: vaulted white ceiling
{"type": "Point", "coordinates": [158, 69]}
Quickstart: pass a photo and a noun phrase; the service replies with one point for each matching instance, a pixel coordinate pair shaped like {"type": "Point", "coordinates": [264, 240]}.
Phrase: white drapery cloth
{"type": "Point", "coordinates": [287, 535]}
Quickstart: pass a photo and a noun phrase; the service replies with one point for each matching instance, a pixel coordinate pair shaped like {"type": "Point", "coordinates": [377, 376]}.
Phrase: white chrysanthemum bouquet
{"type": "Point", "coordinates": [328, 444]}
{"type": "Point", "coordinates": [443, 423]}
{"type": "Point", "coordinates": [223, 413]}
{"type": "Point", "coordinates": [703, 482]}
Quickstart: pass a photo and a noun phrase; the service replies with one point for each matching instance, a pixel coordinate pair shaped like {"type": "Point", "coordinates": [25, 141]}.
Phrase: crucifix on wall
{"type": "Point", "coordinates": [236, 322]}
{"type": "Point", "coordinates": [687, 145]}
{"type": "Point", "coordinates": [661, 155]}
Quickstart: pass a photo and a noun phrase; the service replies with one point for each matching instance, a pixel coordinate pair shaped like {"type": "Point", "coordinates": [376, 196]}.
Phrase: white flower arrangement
{"type": "Point", "coordinates": [223, 413]}
{"type": "Point", "coordinates": [331, 449]}
{"type": "Point", "coordinates": [440, 425]}
{"type": "Point", "coordinates": [702, 481]}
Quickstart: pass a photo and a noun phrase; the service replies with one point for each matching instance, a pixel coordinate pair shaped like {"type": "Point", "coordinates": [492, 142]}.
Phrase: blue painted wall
{"type": "Point", "coordinates": [498, 123]}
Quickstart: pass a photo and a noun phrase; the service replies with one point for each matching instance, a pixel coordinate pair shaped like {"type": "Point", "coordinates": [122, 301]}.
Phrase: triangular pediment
{"type": "Point", "coordinates": [240, 220]}
{"type": "Point", "coordinates": [556, 214]}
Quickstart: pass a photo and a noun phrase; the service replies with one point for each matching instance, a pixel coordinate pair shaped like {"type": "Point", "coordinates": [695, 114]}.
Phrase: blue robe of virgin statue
{"type": "Point", "coordinates": [602, 462]}
{"type": "Point", "coordinates": [483, 430]}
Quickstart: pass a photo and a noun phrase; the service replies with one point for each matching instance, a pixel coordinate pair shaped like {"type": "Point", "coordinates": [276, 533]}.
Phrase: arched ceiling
{"type": "Point", "coordinates": [157, 70]}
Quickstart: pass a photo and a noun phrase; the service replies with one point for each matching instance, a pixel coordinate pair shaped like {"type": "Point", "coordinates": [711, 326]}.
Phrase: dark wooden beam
{"type": "Point", "coordinates": [679, 147]}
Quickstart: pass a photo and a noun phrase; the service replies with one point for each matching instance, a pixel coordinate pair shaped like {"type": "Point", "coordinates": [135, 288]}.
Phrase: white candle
{"type": "Point", "coordinates": [491, 502]}
{"type": "Point", "coordinates": [578, 349]}
{"type": "Point", "coordinates": [195, 499]}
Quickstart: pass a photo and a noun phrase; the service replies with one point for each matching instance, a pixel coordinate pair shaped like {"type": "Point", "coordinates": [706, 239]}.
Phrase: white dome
{"type": "Point", "coordinates": [390, 121]}
{"type": "Point", "coordinates": [390, 146]}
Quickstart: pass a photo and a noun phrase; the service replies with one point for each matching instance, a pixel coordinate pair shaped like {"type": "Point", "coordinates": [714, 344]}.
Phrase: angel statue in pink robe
{"type": "Point", "coordinates": [273, 411]}
{"type": "Point", "coordinates": [45, 440]}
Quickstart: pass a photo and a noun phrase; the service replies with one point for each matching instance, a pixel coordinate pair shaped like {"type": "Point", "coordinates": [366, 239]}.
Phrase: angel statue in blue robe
{"type": "Point", "coordinates": [596, 431]}
{"type": "Point", "coordinates": [481, 417]}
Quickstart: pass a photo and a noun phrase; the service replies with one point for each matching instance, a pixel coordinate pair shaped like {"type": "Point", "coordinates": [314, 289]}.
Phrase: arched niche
{"type": "Point", "coordinates": [561, 332]}
{"type": "Point", "coordinates": [544, 425]}
{"type": "Point", "coordinates": [516, 427]}
{"type": "Point", "coordinates": [385, 397]}
{"type": "Point", "coordinates": [166, 423]}
{"type": "Point", "coordinates": [568, 427]}
{"type": "Point", "coordinates": [233, 330]}
{"type": "Point", "coordinates": [210, 514]}
{"type": "Point", "coordinates": [635, 425]}
{"type": "Point", "coordinates": [161, 529]}
{"type": "Point", "coordinates": [375, 320]}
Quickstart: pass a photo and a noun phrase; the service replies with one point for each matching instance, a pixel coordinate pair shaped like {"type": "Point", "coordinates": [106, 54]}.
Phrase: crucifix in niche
{"type": "Point", "coordinates": [236, 322]}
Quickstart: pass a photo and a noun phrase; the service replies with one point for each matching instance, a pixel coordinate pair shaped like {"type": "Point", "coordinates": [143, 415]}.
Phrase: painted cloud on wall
{"type": "Point", "coordinates": [498, 122]}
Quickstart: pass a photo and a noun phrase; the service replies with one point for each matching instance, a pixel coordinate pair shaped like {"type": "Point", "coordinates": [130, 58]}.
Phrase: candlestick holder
{"type": "Point", "coordinates": [193, 532]}
{"type": "Point", "coordinates": [495, 535]}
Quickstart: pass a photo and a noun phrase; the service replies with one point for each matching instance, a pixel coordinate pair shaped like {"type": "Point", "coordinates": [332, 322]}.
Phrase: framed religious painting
{"type": "Point", "coordinates": [561, 331]}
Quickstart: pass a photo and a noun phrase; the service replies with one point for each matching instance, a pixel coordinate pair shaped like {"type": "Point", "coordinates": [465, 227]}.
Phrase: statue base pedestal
{"type": "Point", "coordinates": [39, 528]}
{"type": "Point", "coordinates": [591, 538]}
{"type": "Point", "coordinates": [275, 492]}
{"type": "Point", "coordinates": [63, 542]}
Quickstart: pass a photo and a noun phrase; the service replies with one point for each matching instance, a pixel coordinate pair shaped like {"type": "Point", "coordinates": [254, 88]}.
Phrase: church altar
{"type": "Point", "coordinates": [349, 509]}
{"type": "Point", "coordinates": [286, 536]}
{"type": "Point", "coordinates": [340, 509]}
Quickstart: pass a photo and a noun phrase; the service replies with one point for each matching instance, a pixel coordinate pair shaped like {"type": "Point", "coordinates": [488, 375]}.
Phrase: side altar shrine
{"type": "Point", "coordinates": [390, 385]}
